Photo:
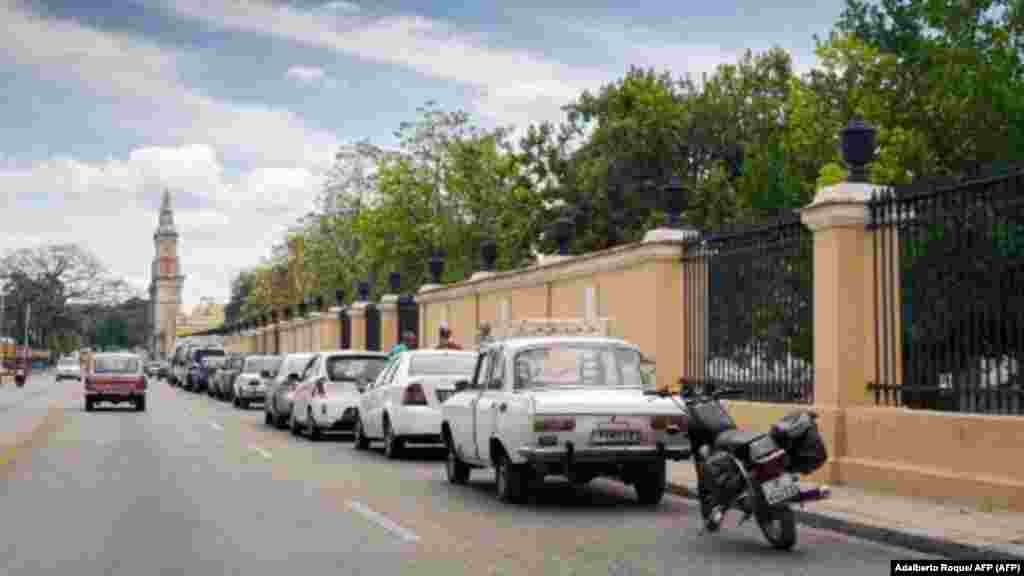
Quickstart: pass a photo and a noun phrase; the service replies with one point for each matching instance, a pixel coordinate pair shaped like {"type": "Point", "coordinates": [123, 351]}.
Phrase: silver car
{"type": "Point", "coordinates": [251, 383]}
{"type": "Point", "coordinates": [69, 368]}
{"type": "Point", "coordinates": [277, 405]}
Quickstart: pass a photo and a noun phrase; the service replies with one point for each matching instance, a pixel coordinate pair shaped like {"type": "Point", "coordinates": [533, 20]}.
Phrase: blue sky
{"type": "Point", "coordinates": [237, 106]}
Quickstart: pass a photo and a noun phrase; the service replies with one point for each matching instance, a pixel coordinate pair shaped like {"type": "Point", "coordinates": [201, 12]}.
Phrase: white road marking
{"type": "Point", "coordinates": [261, 452]}
{"type": "Point", "coordinates": [383, 521]}
{"type": "Point", "coordinates": [216, 426]}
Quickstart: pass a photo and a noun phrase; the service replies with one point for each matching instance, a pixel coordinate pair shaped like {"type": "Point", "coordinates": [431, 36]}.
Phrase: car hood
{"type": "Point", "coordinates": [599, 400]}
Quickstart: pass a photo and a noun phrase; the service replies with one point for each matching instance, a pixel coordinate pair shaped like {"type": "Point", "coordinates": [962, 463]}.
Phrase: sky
{"type": "Point", "coordinates": [238, 106]}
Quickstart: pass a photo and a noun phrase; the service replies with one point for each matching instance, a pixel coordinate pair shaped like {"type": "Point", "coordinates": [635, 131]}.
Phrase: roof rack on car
{"type": "Point", "coordinates": [540, 327]}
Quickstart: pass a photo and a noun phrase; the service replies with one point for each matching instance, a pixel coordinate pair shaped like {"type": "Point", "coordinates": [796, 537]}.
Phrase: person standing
{"type": "Point", "coordinates": [447, 341]}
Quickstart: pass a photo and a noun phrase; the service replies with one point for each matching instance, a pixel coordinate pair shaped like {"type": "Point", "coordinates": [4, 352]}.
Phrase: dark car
{"type": "Point", "coordinates": [198, 370]}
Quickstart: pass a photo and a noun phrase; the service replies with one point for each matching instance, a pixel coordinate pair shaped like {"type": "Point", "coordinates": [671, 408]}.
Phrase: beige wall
{"type": "Point", "coordinates": [639, 287]}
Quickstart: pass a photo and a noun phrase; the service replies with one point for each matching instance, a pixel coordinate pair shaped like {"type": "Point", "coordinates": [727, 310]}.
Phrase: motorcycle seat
{"type": "Point", "coordinates": [731, 440]}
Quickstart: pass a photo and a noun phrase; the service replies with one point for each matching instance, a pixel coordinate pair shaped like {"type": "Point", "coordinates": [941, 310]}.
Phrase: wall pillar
{"type": "Point", "coordinates": [357, 312]}
{"type": "Point", "coordinates": [838, 218]}
{"type": "Point", "coordinates": [314, 332]}
{"type": "Point", "coordinates": [332, 323]}
{"type": "Point", "coordinates": [388, 307]}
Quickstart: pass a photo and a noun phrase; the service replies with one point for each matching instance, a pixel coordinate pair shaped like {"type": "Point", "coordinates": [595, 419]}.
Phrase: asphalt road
{"type": "Point", "coordinates": [194, 486]}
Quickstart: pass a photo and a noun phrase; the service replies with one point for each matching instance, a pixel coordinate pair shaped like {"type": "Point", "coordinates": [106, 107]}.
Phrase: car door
{"type": "Point", "coordinates": [460, 410]}
{"type": "Point", "coordinates": [304, 392]}
{"type": "Point", "coordinates": [485, 411]}
{"type": "Point", "coordinates": [377, 399]}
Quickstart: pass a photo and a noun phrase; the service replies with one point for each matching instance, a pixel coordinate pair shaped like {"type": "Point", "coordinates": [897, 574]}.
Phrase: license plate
{"type": "Point", "coordinates": [780, 489]}
{"type": "Point", "coordinates": [603, 436]}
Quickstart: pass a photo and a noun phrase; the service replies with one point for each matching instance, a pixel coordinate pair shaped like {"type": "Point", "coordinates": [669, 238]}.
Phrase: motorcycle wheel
{"type": "Point", "coordinates": [778, 524]}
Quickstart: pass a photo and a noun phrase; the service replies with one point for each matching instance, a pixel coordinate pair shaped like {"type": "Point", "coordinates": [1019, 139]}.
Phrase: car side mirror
{"type": "Point", "coordinates": [461, 385]}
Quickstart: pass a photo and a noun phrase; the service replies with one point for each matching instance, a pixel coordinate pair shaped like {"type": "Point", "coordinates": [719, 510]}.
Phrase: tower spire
{"type": "Point", "coordinates": [166, 215]}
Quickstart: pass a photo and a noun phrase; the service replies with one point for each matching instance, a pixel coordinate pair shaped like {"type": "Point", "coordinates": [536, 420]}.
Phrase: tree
{"type": "Point", "coordinates": [958, 78]}
{"type": "Point", "coordinates": [51, 278]}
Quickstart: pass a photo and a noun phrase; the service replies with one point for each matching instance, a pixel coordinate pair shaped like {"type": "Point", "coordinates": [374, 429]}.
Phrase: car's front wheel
{"type": "Point", "coordinates": [311, 428]}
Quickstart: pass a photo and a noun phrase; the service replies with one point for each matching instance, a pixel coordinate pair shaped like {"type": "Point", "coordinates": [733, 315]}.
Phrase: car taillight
{"type": "Point", "coordinates": [663, 422]}
{"type": "Point", "coordinates": [554, 424]}
{"type": "Point", "coordinates": [769, 467]}
{"type": "Point", "coordinates": [318, 390]}
{"type": "Point", "coordinates": [414, 396]}
{"type": "Point", "coordinates": [140, 384]}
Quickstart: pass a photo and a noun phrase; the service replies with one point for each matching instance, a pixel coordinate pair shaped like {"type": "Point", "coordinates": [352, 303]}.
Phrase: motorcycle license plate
{"type": "Point", "coordinates": [780, 489]}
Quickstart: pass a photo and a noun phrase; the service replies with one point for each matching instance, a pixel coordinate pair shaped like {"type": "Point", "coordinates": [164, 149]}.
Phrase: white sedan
{"type": "Point", "coordinates": [327, 399]}
{"type": "Point", "coordinates": [404, 404]}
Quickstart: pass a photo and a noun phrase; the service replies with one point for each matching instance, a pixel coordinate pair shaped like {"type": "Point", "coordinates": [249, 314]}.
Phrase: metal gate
{"type": "Point", "coordinates": [748, 304]}
{"type": "Point", "coordinates": [408, 316]}
{"type": "Point", "coordinates": [373, 328]}
{"type": "Point", "coordinates": [346, 329]}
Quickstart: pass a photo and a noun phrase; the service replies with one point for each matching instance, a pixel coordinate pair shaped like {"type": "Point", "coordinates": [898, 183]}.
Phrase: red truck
{"type": "Point", "coordinates": [115, 378]}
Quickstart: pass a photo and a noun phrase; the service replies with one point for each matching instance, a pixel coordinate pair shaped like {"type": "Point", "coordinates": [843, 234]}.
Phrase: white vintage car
{"type": "Point", "coordinates": [403, 406]}
{"type": "Point", "coordinates": [572, 406]}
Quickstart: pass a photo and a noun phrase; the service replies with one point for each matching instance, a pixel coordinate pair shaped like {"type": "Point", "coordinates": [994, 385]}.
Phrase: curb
{"type": "Point", "coordinates": [949, 549]}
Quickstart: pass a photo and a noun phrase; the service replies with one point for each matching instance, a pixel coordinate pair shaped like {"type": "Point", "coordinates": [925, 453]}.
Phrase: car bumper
{"type": "Point", "coordinates": [114, 396]}
{"type": "Point", "coordinates": [418, 421]}
{"type": "Point", "coordinates": [602, 454]}
{"type": "Point", "coordinates": [251, 394]}
{"type": "Point", "coordinates": [69, 375]}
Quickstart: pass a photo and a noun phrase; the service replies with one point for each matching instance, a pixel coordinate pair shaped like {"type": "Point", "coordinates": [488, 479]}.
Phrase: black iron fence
{"type": "Point", "coordinates": [372, 327]}
{"type": "Point", "coordinates": [749, 310]}
{"type": "Point", "coordinates": [408, 316]}
{"type": "Point", "coordinates": [948, 298]}
{"type": "Point", "coordinates": [346, 329]}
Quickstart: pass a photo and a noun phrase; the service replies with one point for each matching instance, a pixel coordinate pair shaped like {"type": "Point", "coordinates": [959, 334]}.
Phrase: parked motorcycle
{"type": "Point", "coordinates": [752, 472]}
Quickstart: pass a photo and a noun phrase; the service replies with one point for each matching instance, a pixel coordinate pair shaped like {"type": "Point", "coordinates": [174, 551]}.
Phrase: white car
{"type": "Point", "coordinates": [404, 404]}
{"type": "Point", "coordinates": [69, 368]}
{"type": "Point", "coordinates": [565, 405]}
{"type": "Point", "coordinates": [251, 383]}
{"type": "Point", "coordinates": [327, 399]}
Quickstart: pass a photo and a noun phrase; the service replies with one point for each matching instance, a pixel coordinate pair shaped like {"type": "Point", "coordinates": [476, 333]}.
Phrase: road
{"type": "Point", "coordinates": [194, 486]}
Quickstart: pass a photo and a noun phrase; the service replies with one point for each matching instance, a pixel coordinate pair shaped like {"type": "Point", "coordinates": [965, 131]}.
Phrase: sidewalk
{"type": "Point", "coordinates": [918, 524]}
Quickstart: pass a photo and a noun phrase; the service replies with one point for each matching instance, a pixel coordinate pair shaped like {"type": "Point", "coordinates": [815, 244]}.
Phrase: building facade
{"type": "Point", "coordinates": [166, 283]}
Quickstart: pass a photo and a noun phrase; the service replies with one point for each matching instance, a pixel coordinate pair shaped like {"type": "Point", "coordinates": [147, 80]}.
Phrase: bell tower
{"type": "Point", "coordinates": [167, 281]}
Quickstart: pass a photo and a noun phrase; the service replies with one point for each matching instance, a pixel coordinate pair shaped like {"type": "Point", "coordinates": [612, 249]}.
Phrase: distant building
{"type": "Point", "coordinates": [208, 314]}
{"type": "Point", "coordinates": [166, 284]}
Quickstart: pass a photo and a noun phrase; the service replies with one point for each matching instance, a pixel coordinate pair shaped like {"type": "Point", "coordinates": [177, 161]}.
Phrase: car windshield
{"type": "Point", "coordinates": [348, 368]}
{"type": "Point", "coordinates": [577, 365]}
{"type": "Point", "coordinates": [258, 365]}
{"type": "Point", "coordinates": [67, 362]}
{"type": "Point", "coordinates": [116, 365]}
{"type": "Point", "coordinates": [442, 364]}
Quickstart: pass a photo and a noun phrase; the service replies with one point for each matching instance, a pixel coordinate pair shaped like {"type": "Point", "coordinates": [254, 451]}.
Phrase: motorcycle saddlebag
{"type": "Point", "coordinates": [797, 433]}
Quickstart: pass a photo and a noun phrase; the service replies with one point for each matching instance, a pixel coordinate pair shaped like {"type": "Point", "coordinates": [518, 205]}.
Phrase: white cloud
{"type": "Point", "coordinates": [111, 208]}
{"type": "Point", "coordinates": [341, 6]}
{"type": "Point", "coordinates": [305, 74]}
{"type": "Point", "coordinates": [144, 78]}
{"type": "Point", "coordinates": [513, 86]}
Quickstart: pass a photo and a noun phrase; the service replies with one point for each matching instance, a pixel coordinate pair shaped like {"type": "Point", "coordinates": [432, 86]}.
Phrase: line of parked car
{"type": "Point", "coordinates": [527, 407]}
